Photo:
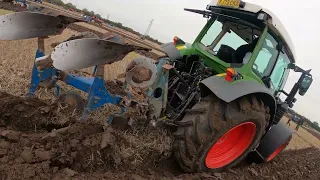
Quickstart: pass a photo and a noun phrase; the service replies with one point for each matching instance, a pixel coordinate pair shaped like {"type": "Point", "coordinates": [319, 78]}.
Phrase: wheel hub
{"type": "Point", "coordinates": [230, 145]}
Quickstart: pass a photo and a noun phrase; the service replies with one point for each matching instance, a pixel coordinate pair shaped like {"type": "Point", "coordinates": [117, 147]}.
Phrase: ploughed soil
{"type": "Point", "coordinates": [34, 144]}
{"type": "Point", "coordinates": [43, 140]}
{"type": "Point", "coordinates": [9, 6]}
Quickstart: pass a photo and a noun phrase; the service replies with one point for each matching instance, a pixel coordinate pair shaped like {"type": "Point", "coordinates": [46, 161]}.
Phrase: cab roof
{"type": "Point", "coordinates": [273, 22]}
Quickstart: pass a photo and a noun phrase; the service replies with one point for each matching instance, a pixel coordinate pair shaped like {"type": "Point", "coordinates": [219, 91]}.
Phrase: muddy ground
{"type": "Point", "coordinates": [9, 6]}
{"type": "Point", "coordinates": [41, 139]}
{"type": "Point", "coordinates": [35, 145]}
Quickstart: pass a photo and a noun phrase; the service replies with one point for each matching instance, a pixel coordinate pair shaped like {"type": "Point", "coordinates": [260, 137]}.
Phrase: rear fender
{"type": "Point", "coordinates": [231, 91]}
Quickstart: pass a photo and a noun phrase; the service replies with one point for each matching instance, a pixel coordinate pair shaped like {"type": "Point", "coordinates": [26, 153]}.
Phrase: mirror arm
{"type": "Point", "coordinates": [292, 93]}
{"type": "Point", "coordinates": [298, 69]}
{"type": "Point", "coordinates": [285, 93]}
{"type": "Point", "coordinates": [295, 88]}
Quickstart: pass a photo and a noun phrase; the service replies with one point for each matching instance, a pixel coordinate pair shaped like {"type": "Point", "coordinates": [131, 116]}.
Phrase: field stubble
{"type": "Point", "coordinates": [39, 138]}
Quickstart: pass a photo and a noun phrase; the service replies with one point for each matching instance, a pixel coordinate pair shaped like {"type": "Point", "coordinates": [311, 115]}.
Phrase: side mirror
{"type": "Point", "coordinates": [305, 85]}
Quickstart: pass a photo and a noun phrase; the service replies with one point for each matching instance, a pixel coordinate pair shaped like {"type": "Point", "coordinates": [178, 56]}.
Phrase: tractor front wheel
{"type": "Point", "coordinates": [278, 151]}
{"type": "Point", "coordinates": [254, 156]}
{"type": "Point", "coordinates": [214, 135]}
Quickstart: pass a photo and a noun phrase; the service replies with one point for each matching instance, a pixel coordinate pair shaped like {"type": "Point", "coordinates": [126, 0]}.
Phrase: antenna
{"type": "Point", "coordinates": [148, 29]}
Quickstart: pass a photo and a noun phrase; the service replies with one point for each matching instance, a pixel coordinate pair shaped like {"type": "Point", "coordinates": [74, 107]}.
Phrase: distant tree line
{"type": "Point", "coordinates": [91, 13]}
{"type": "Point", "coordinates": [313, 124]}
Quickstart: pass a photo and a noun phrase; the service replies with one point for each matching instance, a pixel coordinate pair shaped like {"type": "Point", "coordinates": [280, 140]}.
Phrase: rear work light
{"type": "Point", "coordinates": [178, 41]}
{"type": "Point", "coordinates": [175, 39]}
{"type": "Point", "coordinates": [231, 73]}
{"type": "Point", "coordinates": [262, 16]}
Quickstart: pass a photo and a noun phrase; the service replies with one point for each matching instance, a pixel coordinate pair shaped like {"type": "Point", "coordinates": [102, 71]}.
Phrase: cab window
{"type": "Point", "coordinates": [212, 33]}
{"type": "Point", "coordinates": [267, 64]}
{"type": "Point", "coordinates": [280, 72]}
{"type": "Point", "coordinates": [264, 62]}
{"type": "Point", "coordinates": [230, 38]}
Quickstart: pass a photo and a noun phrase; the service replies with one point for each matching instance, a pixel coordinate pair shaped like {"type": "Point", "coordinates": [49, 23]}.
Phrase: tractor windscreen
{"type": "Point", "coordinates": [230, 41]}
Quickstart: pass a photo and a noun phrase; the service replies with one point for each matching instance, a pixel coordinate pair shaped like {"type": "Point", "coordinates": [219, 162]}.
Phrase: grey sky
{"type": "Point", "coordinates": [170, 19]}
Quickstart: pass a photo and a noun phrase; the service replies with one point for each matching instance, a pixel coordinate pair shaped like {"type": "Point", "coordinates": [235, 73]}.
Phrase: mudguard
{"type": "Point", "coordinates": [272, 140]}
{"type": "Point", "coordinates": [231, 91]}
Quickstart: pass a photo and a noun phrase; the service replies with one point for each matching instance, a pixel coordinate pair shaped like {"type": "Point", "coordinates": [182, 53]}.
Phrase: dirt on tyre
{"type": "Point", "coordinates": [215, 136]}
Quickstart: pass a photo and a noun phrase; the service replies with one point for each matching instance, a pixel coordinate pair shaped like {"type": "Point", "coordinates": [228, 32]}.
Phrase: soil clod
{"type": "Point", "coordinates": [36, 143]}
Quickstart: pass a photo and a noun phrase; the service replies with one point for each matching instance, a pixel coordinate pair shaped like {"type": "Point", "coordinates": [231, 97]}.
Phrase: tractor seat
{"type": "Point", "coordinates": [226, 54]}
{"type": "Point", "coordinates": [241, 52]}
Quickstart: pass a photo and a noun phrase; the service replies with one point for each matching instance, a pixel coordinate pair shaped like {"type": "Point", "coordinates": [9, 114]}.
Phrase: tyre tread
{"type": "Point", "coordinates": [201, 129]}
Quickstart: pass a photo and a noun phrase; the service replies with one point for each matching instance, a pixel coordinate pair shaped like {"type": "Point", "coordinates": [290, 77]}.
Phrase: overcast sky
{"type": "Point", "coordinates": [170, 19]}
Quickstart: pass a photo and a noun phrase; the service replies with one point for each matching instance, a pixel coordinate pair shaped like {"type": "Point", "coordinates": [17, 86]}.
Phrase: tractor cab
{"type": "Point", "coordinates": [245, 37]}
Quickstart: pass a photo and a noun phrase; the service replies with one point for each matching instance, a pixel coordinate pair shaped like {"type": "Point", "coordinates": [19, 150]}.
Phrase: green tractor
{"type": "Point", "coordinates": [238, 64]}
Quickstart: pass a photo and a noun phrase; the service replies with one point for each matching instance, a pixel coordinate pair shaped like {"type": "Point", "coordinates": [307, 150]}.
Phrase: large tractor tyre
{"type": "Point", "coordinates": [215, 136]}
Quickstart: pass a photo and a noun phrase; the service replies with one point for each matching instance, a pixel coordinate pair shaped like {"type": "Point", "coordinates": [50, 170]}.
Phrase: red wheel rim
{"type": "Point", "coordinates": [275, 153]}
{"type": "Point", "coordinates": [231, 145]}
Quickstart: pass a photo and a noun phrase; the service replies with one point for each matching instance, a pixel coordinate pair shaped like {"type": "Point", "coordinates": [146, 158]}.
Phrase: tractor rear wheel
{"type": "Point", "coordinates": [214, 135]}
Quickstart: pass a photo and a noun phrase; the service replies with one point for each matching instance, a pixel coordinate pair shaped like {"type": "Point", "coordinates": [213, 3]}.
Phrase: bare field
{"type": "Point", "coordinates": [19, 57]}
{"type": "Point", "coordinates": [302, 138]}
{"type": "Point", "coordinates": [39, 138]}
{"type": "Point", "coordinates": [2, 11]}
